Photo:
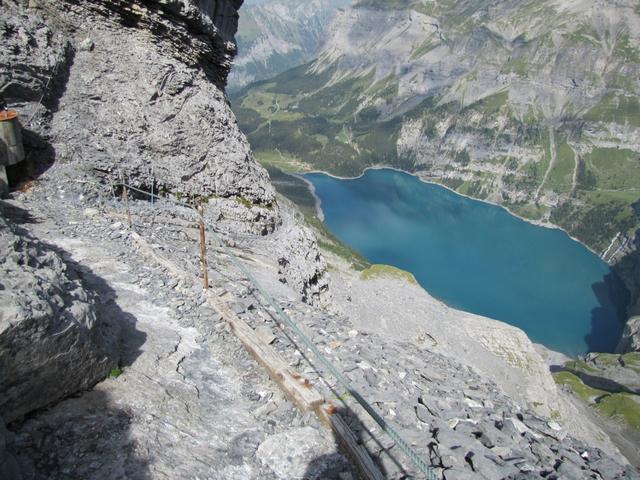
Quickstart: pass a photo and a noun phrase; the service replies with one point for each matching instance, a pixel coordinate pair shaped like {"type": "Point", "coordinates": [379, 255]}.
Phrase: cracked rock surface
{"type": "Point", "coordinates": [190, 402]}
{"type": "Point", "coordinates": [55, 337]}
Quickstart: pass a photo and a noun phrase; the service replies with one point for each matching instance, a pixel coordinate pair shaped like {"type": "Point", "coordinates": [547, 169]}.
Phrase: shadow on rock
{"type": "Point", "coordinates": [382, 454]}
{"type": "Point", "coordinates": [67, 334]}
{"type": "Point", "coordinates": [39, 157]}
{"type": "Point", "coordinates": [607, 319]}
{"type": "Point", "coordinates": [86, 437]}
{"type": "Point", "coordinates": [17, 215]}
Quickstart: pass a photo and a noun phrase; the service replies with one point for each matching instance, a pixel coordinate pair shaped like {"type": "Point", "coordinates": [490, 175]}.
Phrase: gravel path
{"type": "Point", "coordinates": [190, 402]}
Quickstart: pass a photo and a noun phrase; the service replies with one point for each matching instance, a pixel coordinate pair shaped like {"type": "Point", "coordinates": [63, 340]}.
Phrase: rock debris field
{"type": "Point", "coordinates": [190, 402]}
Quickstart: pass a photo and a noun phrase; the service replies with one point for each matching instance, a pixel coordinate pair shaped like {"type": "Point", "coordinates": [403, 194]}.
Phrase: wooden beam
{"type": "Point", "coordinates": [298, 389]}
{"type": "Point", "coordinates": [357, 453]}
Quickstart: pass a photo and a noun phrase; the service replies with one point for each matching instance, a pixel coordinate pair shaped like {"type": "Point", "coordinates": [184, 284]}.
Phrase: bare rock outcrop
{"type": "Point", "coordinates": [52, 341]}
{"type": "Point", "coordinates": [153, 114]}
{"type": "Point", "coordinates": [300, 262]}
{"type": "Point", "coordinates": [630, 341]}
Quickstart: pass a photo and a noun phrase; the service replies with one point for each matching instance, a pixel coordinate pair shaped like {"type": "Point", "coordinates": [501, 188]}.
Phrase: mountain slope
{"type": "Point", "coordinates": [275, 35]}
{"type": "Point", "coordinates": [533, 105]}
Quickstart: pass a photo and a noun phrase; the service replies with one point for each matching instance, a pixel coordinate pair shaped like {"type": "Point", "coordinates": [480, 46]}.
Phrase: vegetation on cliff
{"type": "Point", "coordinates": [535, 106]}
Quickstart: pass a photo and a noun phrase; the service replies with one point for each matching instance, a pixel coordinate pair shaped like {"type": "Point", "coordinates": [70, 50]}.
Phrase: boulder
{"type": "Point", "coordinates": [53, 343]}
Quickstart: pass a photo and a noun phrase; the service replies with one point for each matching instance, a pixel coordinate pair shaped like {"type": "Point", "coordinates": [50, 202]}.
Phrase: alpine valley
{"type": "Point", "coordinates": [167, 313]}
{"type": "Point", "coordinates": [530, 104]}
{"type": "Point", "coordinates": [275, 36]}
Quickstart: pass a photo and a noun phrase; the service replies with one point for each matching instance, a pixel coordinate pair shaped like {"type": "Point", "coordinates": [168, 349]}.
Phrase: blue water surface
{"type": "Point", "coordinates": [477, 257]}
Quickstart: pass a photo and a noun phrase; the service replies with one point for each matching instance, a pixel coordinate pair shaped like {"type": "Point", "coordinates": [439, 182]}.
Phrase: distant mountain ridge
{"type": "Point", "coordinates": [534, 105]}
{"type": "Point", "coordinates": [275, 35]}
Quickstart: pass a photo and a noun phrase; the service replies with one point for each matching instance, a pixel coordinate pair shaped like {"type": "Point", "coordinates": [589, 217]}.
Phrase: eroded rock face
{"type": "Point", "coordinates": [52, 342]}
{"type": "Point", "coordinates": [33, 54]}
{"type": "Point", "coordinates": [302, 266]}
{"type": "Point", "coordinates": [153, 114]}
{"type": "Point", "coordinates": [630, 341]}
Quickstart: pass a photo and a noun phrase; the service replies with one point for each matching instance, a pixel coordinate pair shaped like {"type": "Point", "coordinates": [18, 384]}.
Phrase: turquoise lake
{"type": "Point", "coordinates": [479, 258]}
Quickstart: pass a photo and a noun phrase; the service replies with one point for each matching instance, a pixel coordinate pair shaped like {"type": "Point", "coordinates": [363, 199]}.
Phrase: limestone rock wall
{"type": "Point", "coordinates": [52, 341]}
{"type": "Point", "coordinates": [111, 90]}
{"type": "Point", "coordinates": [140, 96]}
{"type": "Point", "coordinates": [630, 341]}
{"type": "Point", "coordinates": [302, 266]}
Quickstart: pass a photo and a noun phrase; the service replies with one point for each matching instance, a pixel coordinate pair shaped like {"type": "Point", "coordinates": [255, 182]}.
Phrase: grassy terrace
{"type": "Point", "coordinates": [622, 407]}
{"type": "Point", "coordinates": [387, 271]}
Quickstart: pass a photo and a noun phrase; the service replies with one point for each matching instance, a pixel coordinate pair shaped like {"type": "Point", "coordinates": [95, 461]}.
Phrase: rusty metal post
{"type": "Point", "coordinates": [125, 197]}
{"type": "Point", "coordinates": [11, 136]}
{"type": "Point", "coordinates": [203, 250]}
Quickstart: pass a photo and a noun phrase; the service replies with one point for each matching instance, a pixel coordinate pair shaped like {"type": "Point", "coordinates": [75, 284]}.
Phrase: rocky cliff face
{"type": "Point", "coordinates": [153, 114]}
{"type": "Point", "coordinates": [630, 341]}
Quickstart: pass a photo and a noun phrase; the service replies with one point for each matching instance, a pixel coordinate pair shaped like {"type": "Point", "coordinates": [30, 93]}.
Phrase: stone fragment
{"type": "Point", "coordinates": [288, 454]}
{"type": "Point", "coordinates": [423, 413]}
{"type": "Point", "coordinates": [265, 334]}
{"type": "Point", "coordinates": [86, 45]}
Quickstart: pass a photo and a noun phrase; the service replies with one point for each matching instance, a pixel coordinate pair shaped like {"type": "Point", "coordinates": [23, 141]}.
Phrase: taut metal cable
{"type": "Point", "coordinates": [402, 444]}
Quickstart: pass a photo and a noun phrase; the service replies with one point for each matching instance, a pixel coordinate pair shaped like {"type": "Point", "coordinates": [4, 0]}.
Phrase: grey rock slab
{"type": "Point", "coordinates": [55, 338]}
{"type": "Point", "coordinates": [487, 467]}
{"type": "Point", "coordinates": [423, 413]}
{"type": "Point", "coordinates": [265, 334]}
{"type": "Point", "coordinates": [460, 473]}
{"type": "Point", "coordinates": [570, 470]}
{"type": "Point", "coordinates": [300, 453]}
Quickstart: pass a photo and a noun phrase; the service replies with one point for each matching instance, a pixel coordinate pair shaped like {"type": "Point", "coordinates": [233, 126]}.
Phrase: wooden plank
{"type": "Point", "coordinates": [357, 453]}
{"type": "Point", "coordinates": [298, 389]}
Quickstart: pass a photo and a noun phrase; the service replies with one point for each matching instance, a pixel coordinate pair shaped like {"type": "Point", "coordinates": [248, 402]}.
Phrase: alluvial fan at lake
{"type": "Point", "coordinates": [478, 257]}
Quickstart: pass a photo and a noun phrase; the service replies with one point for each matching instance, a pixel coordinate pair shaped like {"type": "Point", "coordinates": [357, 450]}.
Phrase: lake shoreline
{"type": "Point", "coordinates": [331, 207]}
{"type": "Point", "coordinates": [537, 223]}
{"type": "Point", "coordinates": [312, 190]}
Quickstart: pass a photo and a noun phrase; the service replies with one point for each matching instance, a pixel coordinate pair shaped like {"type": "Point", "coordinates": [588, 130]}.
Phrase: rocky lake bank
{"type": "Point", "coordinates": [417, 372]}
